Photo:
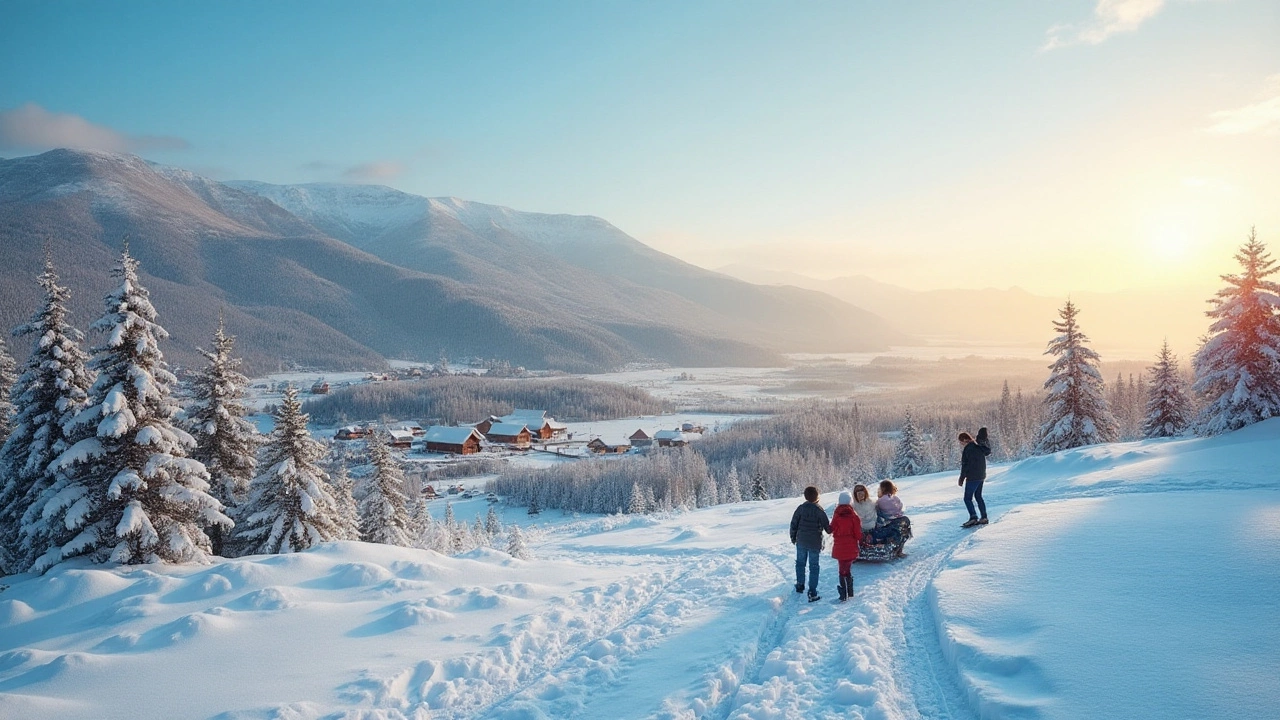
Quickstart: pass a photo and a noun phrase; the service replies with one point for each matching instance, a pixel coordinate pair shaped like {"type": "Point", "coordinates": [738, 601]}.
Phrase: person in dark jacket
{"type": "Point", "coordinates": [973, 473]}
{"type": "Point", "coordinates": [808, 523]}
{"type": "Point", "coordinates": [846, 534]}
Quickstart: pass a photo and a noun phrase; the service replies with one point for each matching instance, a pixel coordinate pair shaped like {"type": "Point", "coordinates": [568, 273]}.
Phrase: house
{"type": "Point", "coordinates": [457, 440]}
{"type": "Point", "coordinates": [400, 438]}
{"type": "Point", "coordinates": [692, 428]}
{"type": "Point", "coordinates": [416, 430]}
{"type": "Point", "coordinates": [320, 388]}
{"type": "Point", "coordinates": [670, 438]}
{"type": "Point", "coordinates": [540, 426]}
{"type": "Point", "coordinates": [601, 447]}
{"type": "Point", "coordinates": [514, 434]}
{"type": "Point", "coordinates": [640, 438]}
{"type": "Point", "coordinates": [353, 432]}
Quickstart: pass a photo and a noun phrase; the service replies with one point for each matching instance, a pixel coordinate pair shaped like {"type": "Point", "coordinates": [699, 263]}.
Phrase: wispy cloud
{"type": "Point", "coordinates": [31, 127]}
{"type": "Point", "coordinates": [1261, 115]}
{"type": "Point", "coordinates": [374, 171]}
{"type": "Point", "coordinates": [1110, 17]}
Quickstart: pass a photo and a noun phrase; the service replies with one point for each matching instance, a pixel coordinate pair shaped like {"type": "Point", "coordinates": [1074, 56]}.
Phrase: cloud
{"type": "Point", "coordinates": [374, 171]}
{"type": "Point", "coordinates": [1264, 114]}
{"type": "Point", "coordinates": [1109, 18]}
{"type": "Point", "coordinates": [31, 127]}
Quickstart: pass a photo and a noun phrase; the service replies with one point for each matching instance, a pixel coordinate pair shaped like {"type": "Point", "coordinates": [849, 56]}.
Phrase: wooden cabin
{"type": "Point", "coordinates": [670, 438]}
{"type": "Point", "coordinates": [540, 426]}
{"type": "Point", "coordinates": [320, 388]}
{"type": "Point", "coordinates": [601, 447]}
{"type": "Point", "coordinates": [456, 440]}
{"type": "Point", "coordinates": [513, 434]}
{"type": "Point", "coordinates": [353, 432]}
{"type": "Point", "coordinates": [640, 438]}
{"type": "Point", "coordinates": [400, 438]}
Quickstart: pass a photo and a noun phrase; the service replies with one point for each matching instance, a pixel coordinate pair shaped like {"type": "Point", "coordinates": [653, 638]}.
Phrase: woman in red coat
{"type": "Point", "coordinates": [846, 529]}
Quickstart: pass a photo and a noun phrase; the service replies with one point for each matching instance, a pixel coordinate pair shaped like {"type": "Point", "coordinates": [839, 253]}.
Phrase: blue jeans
{"type": "Point", "coordinates": [810, 555]}
{"type": "Point", "coordinates": [973, 491]}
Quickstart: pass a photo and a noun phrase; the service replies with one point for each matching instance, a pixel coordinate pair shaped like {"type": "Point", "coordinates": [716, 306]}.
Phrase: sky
{"type": "Point", "coordinates": [1090, 145]}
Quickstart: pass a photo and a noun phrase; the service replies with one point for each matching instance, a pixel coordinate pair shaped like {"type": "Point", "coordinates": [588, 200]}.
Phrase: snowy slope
{"type": "Point", "coordinates": [1165, 603]}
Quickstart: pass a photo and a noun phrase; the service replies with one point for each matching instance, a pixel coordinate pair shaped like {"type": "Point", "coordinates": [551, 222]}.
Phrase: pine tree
{"type": "Point", "coordinates": [534, 507]}
{"type": "Point", "coordinates": [1076, 412]}
{"type": "Point", "coordinates": [1238, 367]}
{"type": "Point", "coordinates": [8, 378]}
{"type": "Point", "coordinates": [225, 441]}
{"type": "Point", "coordinates": [909, 456]}
{"type": "Point", "coordinates": [1168, 408]}
{"type": "Point", "coordinates": [384, 509]}
{"type": "Point", "coordinates": [53, 388]}
{"type": "Point", "coordinates": [1006, 424]}
{"type": "Point", "coordinates": [479, 536]}
{"type": "Point", "coordinates": [636, 504]}
{"type": "Point", "coordinates": [492, 526]}
{"type": "Point", "coordinates": [515, 543]}
{"type": "Point", "coordinates": [130, 494]}
{"type": "Point", "coordinates": [289, 508]}
{"type": "Point", "coordinates": [758, 491]}
{"type": "Point", "coordinates": [730, 489]}
{"type": "Point", "coordinates": [708, 493]}
{"type": "Point", "coordinates": [342, 490]}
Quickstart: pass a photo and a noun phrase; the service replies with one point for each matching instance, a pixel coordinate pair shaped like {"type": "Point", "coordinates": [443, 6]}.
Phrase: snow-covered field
{"type": "Point", "coordinates": [1136, 580]}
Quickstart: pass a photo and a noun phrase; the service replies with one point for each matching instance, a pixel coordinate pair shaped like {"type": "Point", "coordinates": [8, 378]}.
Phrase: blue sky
{"type": "Point", "coordinates": [913, 142]}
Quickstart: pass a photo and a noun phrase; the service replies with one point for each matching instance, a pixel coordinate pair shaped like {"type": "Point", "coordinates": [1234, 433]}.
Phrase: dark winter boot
{"type": "Point", "coordinates": [814, 596]}
{"type": "Point", "coordinates": [844, 595]}
{"type": "Point", "coordinates": [799, 587]}
{"type": "Point", "coordinates": [970, 522]}
{"type": "Point", "coordinates": [848, 586]}
{"type": "Point", "coordinates": [982, 521]}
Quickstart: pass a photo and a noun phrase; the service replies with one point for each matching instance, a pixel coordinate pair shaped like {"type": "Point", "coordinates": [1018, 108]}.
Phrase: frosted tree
{"type": "Point", "coordinates": [708, 493]}
{"type": "Point", "coordinates": [129, 492]}
{"type": "Point", "coordinates": [384, 509]}
{"type": "Point", "coordinates": [758, 491]}
{"type": "Point", "coordinates": [479, 536]}
{"type": "Point", "coordinates": [1168, 407]}
{"type": "Point", "coordinates": [1237, 368]}
{"type": "Point", "coordinates": [515, 544]}
{"type": "Point", "coordinates": [52, 388]}
{"type": "Point", "coordinates": [1006, 425]}
{"type": "Point", "coordinates": [289, 508]}
{"type": "Point", "coordinates": [534, 507]}
{"type": "Point", "coordinates": [492, 526]}
{"type": "Point", "coordinates": [225, 441]}
{"type": "Point", "coordinates": [342, 490]}
{"type": "Point", "coordinates": [1076, 412]}
{"type": "Point", "coordinates": [909, 456]}
{"type": "Point", "coordinates": [636, 504]}
{"type": "Point", "coordinates": [8, 377]}
{"type": "Point", "coordinates": [730, 489]}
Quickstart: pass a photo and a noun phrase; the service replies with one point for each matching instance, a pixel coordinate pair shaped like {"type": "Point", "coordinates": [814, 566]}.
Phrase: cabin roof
{"type": "Point", "coordinates": [451, 435]}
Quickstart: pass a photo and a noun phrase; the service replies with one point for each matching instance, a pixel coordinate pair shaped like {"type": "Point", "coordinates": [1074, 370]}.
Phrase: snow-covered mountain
{"type": "Point", "coordinates": [1133, 580]}
{"type": "Point", "coordinates": [342, 276]}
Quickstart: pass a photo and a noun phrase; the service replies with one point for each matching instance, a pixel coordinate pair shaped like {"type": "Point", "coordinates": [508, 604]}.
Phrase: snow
{"type": "Point", "coordinates": [1121, 580]}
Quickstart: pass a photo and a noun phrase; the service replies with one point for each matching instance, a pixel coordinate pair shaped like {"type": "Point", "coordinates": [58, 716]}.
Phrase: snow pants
{"type": "Point", "coordinates": [973, 491]}
{"type": "Point", "coordinates": [807, 555]}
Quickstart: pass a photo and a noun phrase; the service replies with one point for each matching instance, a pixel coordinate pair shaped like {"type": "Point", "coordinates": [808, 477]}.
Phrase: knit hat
{"type": "Point", "coordinates": [845, 498]}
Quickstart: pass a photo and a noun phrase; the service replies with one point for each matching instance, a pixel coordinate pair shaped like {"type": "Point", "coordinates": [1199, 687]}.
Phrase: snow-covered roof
{"type": "Point", "coordinates": [668, 435]}
{"type": "Point", "coordinates": [451, 435]}
{"type": "Point", "coordinates": [400, 434]}
{"type": "Point", "coordinates": [511, 429]}
{"type": "Point", "coordinates": [640, 435]}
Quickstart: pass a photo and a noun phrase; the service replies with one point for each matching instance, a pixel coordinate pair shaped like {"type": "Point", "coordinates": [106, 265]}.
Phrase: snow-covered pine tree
{"type": "Point", "coordinates": [708, 493]}
{"type": "Point", "coordinates": [1168, 407]}
{"type": "Point", "coordinates": [636, 504]}
{"type": "Point", "coordinates": [289, 508]}
{"type": "Point", "coordinates": [1238, 367]}
{"type": "Point", "coordinates": [1006, 424]}
{"type": "Point", "coordinates": [492, 526]}
{"type": "Point", "coordinates": [1076, 412]}
{"type": "Point", "coordinates": [730, 489]}
{"type": "Point", "coordinates": [516, 547]}
{"type": "Point", "coordinates": [225, 441]}
{"type": "Point", "coordinates": [129, 492]}
{"type": "Point", "coordinates": [53, 388]}
{"type": "Point", "coordinates": [384, 510]}
{"type": "Point", "coordinates": [909, 457]}
{"type": "Point", "coordinates": [534, 507]}
{"type": "Point", "coordinates": [479, 536]}
{"type": "Point", "coordinates": [8, 377]}
{"type": "Point", "coordinates": [758, 491]}
{"type": "Point", "coordinates": [342, 490]}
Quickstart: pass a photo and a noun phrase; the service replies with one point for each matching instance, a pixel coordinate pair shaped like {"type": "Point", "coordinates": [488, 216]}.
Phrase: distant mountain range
{"type": "Point", "coordinates": [1130, 324]}
{"type": "Point", "coordinates": [342, 276]}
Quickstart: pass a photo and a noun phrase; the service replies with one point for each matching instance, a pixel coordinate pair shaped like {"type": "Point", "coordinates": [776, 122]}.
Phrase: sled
{"type": "Point", "coordinates": [883, 552]}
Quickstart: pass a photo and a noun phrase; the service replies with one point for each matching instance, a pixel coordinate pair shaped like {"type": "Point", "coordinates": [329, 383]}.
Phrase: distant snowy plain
{"type": "Point", "coordinates": [1136, 580]}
